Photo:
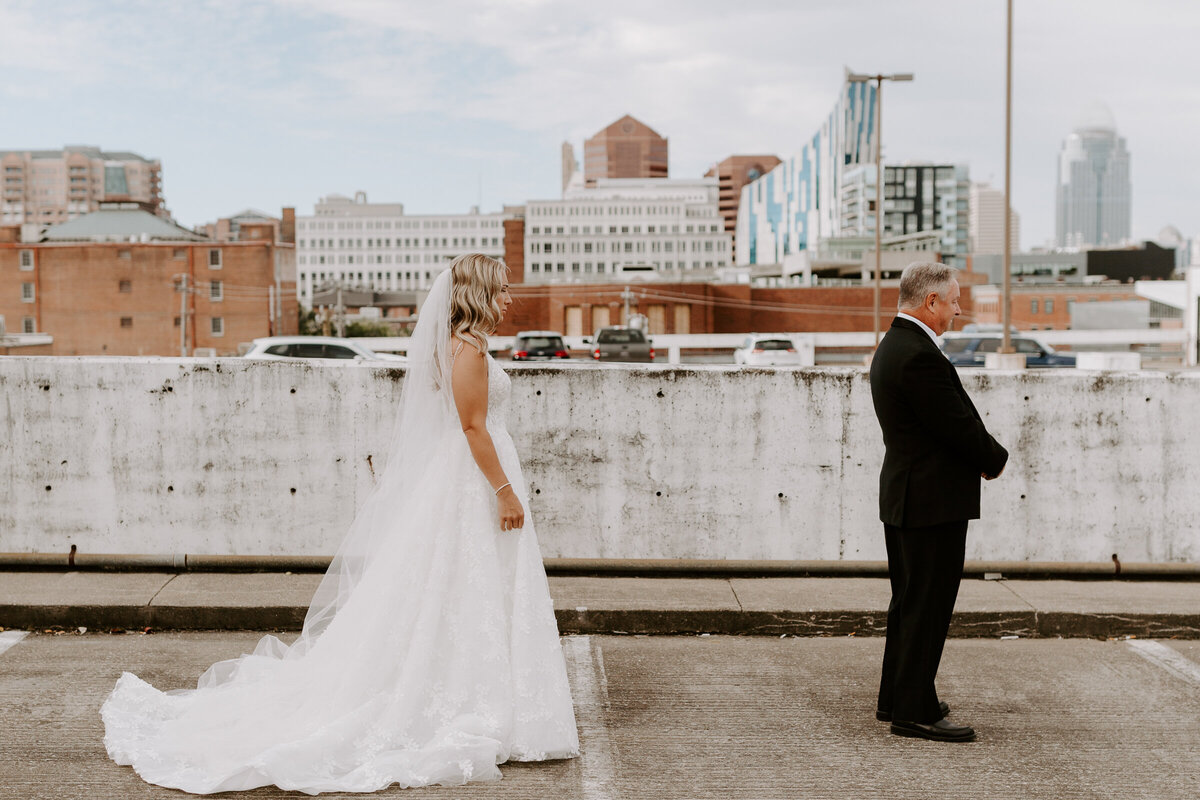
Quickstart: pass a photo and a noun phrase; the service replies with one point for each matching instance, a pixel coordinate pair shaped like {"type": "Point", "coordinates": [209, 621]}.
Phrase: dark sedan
{"type": "Point", "coordinates": [971, 349]}
{"type": "Point", "coordinates": [539, 346]}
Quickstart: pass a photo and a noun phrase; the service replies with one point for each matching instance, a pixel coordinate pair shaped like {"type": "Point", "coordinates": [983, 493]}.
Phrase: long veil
{"type": "Point", "coordinates": [425, 422]}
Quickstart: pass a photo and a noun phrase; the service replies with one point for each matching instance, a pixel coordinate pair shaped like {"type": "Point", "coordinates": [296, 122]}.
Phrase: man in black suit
{"type": "Point", "coordinates": [936, 450]}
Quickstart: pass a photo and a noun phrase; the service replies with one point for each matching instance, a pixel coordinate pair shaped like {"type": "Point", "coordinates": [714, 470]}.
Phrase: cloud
{"type": "Point", "coordinates": [458, 81]}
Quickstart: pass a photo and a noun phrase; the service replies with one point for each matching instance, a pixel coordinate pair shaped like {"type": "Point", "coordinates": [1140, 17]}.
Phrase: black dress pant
{"type": "Point", "coordinates": [925, 567]}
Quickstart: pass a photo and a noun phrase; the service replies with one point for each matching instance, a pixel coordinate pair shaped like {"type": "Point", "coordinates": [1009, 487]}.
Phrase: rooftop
{"type": "Point", "coordinates": [120, 224]}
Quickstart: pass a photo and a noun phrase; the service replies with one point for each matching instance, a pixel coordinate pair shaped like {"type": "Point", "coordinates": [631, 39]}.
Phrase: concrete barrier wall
{"type": "Point", "coordinates": [239, 457]}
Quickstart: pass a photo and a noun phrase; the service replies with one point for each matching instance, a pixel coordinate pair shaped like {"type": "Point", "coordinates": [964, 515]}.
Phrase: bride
{"type": "Point", "coordinates": [430, 652]}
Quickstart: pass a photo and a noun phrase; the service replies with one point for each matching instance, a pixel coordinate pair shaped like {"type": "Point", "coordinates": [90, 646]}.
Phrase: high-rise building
{"type": "Point", "coordinates": [917, 199]}
{"type": "Point", "coordinates": [665, 227]}
{"type": "Point", "coordinates": [797, 205]}
{"type": "Point", "coordinates": [985, 228]}
{"type": "Point", "coordinates": [625, 149]}
{"type": "Point", "coordinates": [732, 174]}
{"type": "Point", "coordinates": [46, 187]}
{"type": "Point", "coordinates": [1093, 188]}
{"type": "Point", "coordinates": [377, 246]}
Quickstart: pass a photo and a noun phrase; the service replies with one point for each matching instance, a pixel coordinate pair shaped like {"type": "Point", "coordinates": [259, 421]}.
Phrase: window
{"type": "Point", "coordinates": [27, 292]}
{"type": "Point", "coordinates": [1033, 306]}
{"type": "Point", "coordinates": [214, 259]}
{"type": "Point", "coordinates": [28, 325]}
{"type": "Point", "coordinates": [125, 287]}
{"type": "Point", "coordinates": [26, 260]}
{"type": "Point", "coordinates": [179, 254]}
{"type": "Point", "coordinates": [126, 322]}
{"type": "Point", "coordinates": [215, 290]}
{"type": "Point", "coordinates": [1048, 305]}
{"type": "Point", "coordinates": [177, 322]}
{"type": "Point", "coordinates": [218, 326]}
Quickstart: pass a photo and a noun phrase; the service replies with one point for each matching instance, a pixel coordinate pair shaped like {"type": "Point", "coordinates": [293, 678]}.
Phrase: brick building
{"type": "Point", "coordinates": [99, 293]}
{"type": "Point", "coordinates": [229, 229]}
{"type": "Point", "coordinates": [514, 247]}
{"type": "Point", "coordinates": [628, 148]}
{"type": "Point", "coordinates": [1046, 306]}
{"type": "Point", "coordinates": [578, 309]}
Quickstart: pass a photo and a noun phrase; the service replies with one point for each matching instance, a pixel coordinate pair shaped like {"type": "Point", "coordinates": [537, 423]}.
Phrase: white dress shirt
{"type": "Point", "coordinates": [936, 339]}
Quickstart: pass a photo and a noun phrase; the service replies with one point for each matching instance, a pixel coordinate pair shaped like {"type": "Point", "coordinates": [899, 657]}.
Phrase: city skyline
{"type": "Point", "coordinates": [280, 102]}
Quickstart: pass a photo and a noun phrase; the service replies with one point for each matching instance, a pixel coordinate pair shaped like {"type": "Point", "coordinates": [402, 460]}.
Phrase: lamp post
{"type": "Point", "coordinates": [854, 77]}
{"type": "Point", "coordinates": [1006, 317]}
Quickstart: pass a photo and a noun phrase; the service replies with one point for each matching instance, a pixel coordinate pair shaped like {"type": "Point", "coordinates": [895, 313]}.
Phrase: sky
{"type": "Point", "coordinates": [446, 104]}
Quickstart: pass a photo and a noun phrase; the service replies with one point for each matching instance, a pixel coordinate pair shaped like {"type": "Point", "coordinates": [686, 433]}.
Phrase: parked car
{"type": "Point", "coordinates": [620, 343]}
{"type": "Point", "coordinates": [539, 346]}
{"type": "Point", "coordinates": [763, 350]}
{"type": "Point", "coordinates": [288, 348]}
{"type": "Point", "coordinates": [969, 349]}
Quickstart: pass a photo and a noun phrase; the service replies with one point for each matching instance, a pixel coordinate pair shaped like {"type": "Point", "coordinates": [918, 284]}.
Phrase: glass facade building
{"type": "Point", "coordinates": [1092, 188]}
{"type": "Point", "coordinates": [798, 203]}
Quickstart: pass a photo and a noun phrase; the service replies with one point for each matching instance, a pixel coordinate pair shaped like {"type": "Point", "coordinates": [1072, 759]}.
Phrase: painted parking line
{"type": "Point", "coordinates": [10, 638]}
{"type": "Point", "coordinates": [586, 662]}
{"type": "Point", "coordinates": [1172, 661]}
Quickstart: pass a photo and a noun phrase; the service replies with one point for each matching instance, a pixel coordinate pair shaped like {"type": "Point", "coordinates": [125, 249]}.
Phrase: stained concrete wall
{"type": "Point", "coordinates": [230, 456]}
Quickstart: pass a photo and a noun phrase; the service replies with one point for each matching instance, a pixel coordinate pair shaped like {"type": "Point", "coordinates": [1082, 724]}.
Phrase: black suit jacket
{"type": "Point", "coordinates": [936, 444]}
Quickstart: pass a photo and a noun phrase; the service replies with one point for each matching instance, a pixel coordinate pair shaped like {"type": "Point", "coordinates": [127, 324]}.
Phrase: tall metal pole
{"type": "Point", "coordinates": [878, 201]}
{"type": "Point", "coordinates": [340, 311]}
{"type": "Point", "coordinates": [183, 293]}
{"type": "Point", "coordinates": [1006, 342]}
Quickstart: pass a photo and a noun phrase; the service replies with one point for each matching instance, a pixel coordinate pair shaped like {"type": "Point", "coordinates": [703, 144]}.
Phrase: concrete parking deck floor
{"type": "Point", "coordinates": [594, 605]}
{"type": "Point", "coordinates": [709, 717]}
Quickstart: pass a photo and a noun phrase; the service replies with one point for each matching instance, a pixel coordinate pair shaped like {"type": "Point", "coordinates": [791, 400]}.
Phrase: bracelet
{"type": "Point", "coordinates": [502, 487]}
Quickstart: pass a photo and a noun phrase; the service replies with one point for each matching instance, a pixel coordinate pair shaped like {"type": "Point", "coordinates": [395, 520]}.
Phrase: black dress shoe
{"type": "Point", "coordinates": [940, 731]}
{"type": "Point", "coordinates": [886, 716]}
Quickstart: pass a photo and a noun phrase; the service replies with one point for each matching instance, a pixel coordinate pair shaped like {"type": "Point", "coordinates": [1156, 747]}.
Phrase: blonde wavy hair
{"type": "Point", "coordinates": [476, 281]}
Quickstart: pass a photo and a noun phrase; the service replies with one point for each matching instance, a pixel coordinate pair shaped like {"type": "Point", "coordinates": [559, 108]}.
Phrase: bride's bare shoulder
{"type": "Point", "coordinates": [460, 346]}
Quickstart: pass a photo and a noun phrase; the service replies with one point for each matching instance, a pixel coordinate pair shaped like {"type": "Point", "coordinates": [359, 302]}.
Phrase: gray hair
{"type": "Point", "coordinates": [920, 279]}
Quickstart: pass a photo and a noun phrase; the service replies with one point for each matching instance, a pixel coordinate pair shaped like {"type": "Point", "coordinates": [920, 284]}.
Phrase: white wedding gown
{"type": "Point", "coordinates": [442, 661]}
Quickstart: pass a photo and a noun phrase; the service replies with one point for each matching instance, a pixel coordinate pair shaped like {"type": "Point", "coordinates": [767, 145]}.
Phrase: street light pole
{"type": "Point", "coordinates": [1006, 316]}
{"type": "Point", "coordinates": [853, 77]}
{"type": "Point", "coordinates": [878, 205]}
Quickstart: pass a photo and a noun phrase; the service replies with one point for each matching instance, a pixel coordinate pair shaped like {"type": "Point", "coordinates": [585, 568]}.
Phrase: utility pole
{"type": "Point", "coordinates": [627, 296]}
{"type": "Point", "coordinates": [182, 288]}
{"type": "Point", "coordinates": [340, 311]}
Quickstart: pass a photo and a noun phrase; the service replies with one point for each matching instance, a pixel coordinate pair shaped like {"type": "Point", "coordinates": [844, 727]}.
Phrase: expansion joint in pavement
{"type": "Point", "coordinates": [737, 599]}
{"type": "Point", "coordinates": [150, 602]}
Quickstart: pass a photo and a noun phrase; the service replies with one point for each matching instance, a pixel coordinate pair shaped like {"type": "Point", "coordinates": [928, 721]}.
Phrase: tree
{"type": "Point", "coordinates": [368, 328]}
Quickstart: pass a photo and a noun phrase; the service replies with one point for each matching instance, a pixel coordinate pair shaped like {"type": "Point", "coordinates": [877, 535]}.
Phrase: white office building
{"type": "Point", "coordinates": [376, 246]}
{"type": "Point", "coordinates": [667, 228]}
{"type": "Point", "coordinates": [986, 222]}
